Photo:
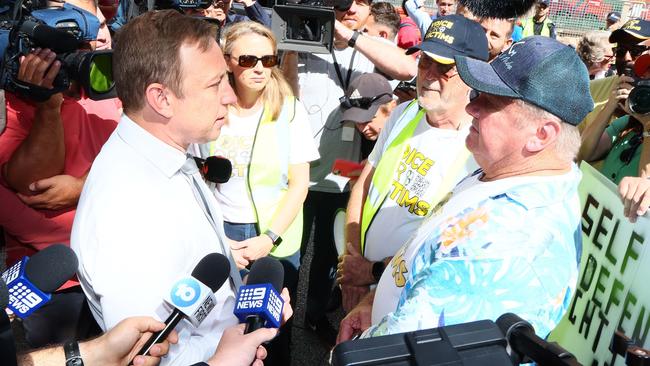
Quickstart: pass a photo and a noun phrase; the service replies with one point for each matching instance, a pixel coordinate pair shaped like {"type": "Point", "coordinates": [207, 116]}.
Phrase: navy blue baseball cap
{"type": "Point", "coordinates": [453, 35]}
{"type": "Point", "coordinates": [538, 70]}
{"type": "Point", "coordinates": [633, 31]}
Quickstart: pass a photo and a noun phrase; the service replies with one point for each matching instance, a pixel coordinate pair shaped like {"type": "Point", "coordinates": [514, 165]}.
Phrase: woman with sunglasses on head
{"type": "Point", "coordinates": [269, 142]}
{"type": "Point", "coordinates": [623, 144]}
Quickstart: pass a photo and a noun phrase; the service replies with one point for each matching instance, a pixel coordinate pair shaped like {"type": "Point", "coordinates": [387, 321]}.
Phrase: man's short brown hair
{"type": "Point", "coordinates": [148, 51]}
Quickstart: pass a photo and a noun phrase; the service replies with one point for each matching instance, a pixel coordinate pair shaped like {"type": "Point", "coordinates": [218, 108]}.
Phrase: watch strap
{"type": "Point", "coordinates": [72, 354]}
{"type": "Point", "coordinates": [377, 270]}
{"type": "Point", "coordinates": [275, 238]}
{"type": "Point", "coordinates": [353, 39]}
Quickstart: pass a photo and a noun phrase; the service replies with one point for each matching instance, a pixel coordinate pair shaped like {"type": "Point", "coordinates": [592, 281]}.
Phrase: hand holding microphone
{"type": "Point", "coordinates": [193, 297]}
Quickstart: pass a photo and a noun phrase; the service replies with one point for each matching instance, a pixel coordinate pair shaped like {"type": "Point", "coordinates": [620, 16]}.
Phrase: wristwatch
{"type": "Point", "coordinates": [72, 354]}
{"type": "Point", "coordinates": [378, 270]}
{"type": "Point", "coordinates": [275, 238]}
{"type": "Point", "coordinates": [353, 39]}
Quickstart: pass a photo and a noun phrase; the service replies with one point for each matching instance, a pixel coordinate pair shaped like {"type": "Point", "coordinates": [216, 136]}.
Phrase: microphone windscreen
{"type": "Point", "coordinates": [4, 295]}
{"type": "Point", "coordinates": [500, 9]}
{"type": "Point", "coordinates": [49, 268]}
{"type": "Point", "coordinates": [213, 270]}
{"type": "Point", "coordinates": [55, 39]}
{"type": "Point", "coordinates": [267, 270]}
{"type": "Point", "coordinates": [217, 169]}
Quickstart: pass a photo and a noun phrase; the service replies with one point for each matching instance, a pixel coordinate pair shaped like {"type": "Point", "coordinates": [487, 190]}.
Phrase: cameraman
{"type": "Point", "coordinates": [218, 9]}
{"type": "Point", "coordinates": [624, 144]}
{"type": "Point", "coordinates": [45, 154]}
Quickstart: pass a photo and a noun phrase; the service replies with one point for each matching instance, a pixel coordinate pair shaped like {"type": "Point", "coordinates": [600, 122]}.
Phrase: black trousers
{"type": "Point", "coordinates": [320, 209]}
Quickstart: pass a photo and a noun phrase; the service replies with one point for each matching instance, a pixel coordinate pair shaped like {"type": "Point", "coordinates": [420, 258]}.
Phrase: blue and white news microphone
{"type": "Point", "coordinates": [259, 303]}
{"type": "Point", "coordinates": [192, 297]}
{"type": "Point", "coordinates": [31, 280]}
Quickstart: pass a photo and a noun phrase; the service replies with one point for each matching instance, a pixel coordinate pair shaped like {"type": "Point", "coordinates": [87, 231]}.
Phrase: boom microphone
{"type": "Point", "coordinates": [500, 9]}
{"type": "Point", "coordinates": [193, 297]}
{"type": "Point", "coordinates": [259, 303]}
{"type": "Point", "coordinates": [215, 169]}
{"type": "Point", "coordinates": [31, 280]}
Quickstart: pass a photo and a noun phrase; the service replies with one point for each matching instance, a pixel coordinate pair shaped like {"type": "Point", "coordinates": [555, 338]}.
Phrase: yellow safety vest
{"type": "Point", "coordinates": [529, 28]}
{"type": "Point", "coordinates": [268, 175]}
{"type": "Point", "coordinates": [393, 151]}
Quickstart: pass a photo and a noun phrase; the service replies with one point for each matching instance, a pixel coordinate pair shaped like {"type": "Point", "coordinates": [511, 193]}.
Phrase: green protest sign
{"type": "Point", "coordinates": [613, 289]}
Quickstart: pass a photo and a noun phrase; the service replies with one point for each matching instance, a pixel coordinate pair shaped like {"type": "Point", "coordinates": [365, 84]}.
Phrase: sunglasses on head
{"type": "Point", "coordinates": [251, 60]}
{"type": "Point", "coordinates": [363, 102]}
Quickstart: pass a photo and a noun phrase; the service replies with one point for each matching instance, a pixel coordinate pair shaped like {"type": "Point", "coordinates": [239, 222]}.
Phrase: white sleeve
{"type": "Point", "coordinates": [378, 150]}
{"type": "Point", "coordinates": [302, 146]}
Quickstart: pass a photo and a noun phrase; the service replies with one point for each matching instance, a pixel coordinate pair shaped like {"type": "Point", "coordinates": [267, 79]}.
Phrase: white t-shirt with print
{"type": "Point", "coordinates": [428, 156]}
{"type": "Point", "coordinates": [236, 142]}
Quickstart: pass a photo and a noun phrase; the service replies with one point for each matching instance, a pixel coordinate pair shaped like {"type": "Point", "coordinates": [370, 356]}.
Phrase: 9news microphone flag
{"type": "Point", "coordinates": [259, 303]}
{"type": "Point", "coordinates": [31, 280]}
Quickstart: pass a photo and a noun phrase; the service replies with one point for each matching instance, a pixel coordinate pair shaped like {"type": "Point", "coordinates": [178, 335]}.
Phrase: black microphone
{"type": "Point", "coordinates": [7, 345]}
{"type": "Point", "coordinates": [32, 279]}
{"type": "Point", "coordinates": [259, 303]}
{"type": "Point", "coordinates": [527, 347]}
{"type": "Point", "coordinates": [193, 297]}
{"type": "Point", "coordinates": [500, 9]}
{"type": "Point", "coordinates": [215, 169]}
{"type": "Point", "coordinates": [55, 39]}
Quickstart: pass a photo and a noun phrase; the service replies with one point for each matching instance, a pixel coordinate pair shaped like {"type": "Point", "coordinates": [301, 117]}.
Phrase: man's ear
{"type": "Point", "coordinates": [160, 99]}
{"type": "Point", "coordinates": [546, 134]}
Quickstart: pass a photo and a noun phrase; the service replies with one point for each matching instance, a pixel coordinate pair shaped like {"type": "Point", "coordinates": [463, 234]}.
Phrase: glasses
{"type": "Point", "coordinates": [635, 50]}
{"type": "Point", "coordinates": [628, 154]}
{"type": "Point", "coordinates": [363, 102]}
{"type": "Point", "coordinates": [427, 62]}
{"type": "Point", "coordinates": [251, 60]}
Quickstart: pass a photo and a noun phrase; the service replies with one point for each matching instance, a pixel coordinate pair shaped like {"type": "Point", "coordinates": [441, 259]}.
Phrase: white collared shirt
{"type": "Point", "coordinates": [137, 230]}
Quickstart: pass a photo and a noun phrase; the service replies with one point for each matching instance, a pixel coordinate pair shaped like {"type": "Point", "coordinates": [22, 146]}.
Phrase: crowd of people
{"type": "Point", "coordinates": [423, 144]}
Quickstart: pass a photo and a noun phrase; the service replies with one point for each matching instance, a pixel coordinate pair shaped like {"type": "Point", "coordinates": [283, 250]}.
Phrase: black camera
{"type": "Point", "coordinates": [639, 98]}
{"type": "Point", "coordinates": [306, 25]}
{"type": "Point", "coordinates": [64, 30]}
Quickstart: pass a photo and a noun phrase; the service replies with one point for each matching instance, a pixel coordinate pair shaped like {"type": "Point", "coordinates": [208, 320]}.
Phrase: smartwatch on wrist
{"type": "Point", "coordinates": [275, 238]}
{"type": "Point", "coordinates": [377, 270]}
{"type": "Point", "coordinates": [72, 354]}
{"type": "Point", "coordinates": [353, 39]}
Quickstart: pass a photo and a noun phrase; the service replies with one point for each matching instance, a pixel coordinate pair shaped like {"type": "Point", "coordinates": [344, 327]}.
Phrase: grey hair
{"type": "Point", "coordinates": [568, 140]}
{"type": "Point", "coordinates": [592, 47]}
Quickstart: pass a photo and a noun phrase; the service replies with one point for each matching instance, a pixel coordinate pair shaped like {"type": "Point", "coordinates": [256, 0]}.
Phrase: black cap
{"type": "Point", "coordinates": [370, 85]}
{"type": "Point", "coordinates": [633, 31]}
{"type": "Point", "coordinates": [451, 36]}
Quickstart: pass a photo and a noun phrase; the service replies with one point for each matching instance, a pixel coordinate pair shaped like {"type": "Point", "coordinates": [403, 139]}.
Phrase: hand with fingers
{"type": "Point", "coordinates": [54, 193]}
{"type": "Point", "coordinates": [40, 68]}
{"type": "Point", "coordinates": [635, 193]}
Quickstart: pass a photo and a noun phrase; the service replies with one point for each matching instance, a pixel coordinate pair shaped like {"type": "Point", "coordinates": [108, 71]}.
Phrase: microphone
{"type": "Point", "coordinates": [215, 169]}
{"type": "Point", "coordinates": [500, 9]}
{"type": "Point", "coordinates": [192, 297]}
{"type": "Point", "coordinates": [7, 345]}
{"type": "Point", "coordinates": [259, 303]}
{"type": "Point", "coordinates": [31, 280]}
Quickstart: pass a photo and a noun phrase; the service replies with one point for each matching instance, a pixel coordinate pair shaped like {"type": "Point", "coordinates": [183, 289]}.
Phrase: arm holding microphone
{"type": "Point", "coordinates": [114, 348]}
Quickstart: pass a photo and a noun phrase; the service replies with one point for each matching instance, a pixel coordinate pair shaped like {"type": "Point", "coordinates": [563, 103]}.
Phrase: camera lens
{"type": "Point", "coordinates": [639, 99]}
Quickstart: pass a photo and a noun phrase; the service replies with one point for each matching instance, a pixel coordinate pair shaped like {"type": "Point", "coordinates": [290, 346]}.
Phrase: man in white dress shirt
{"type": "Point", "coordinates": [139, 226]}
